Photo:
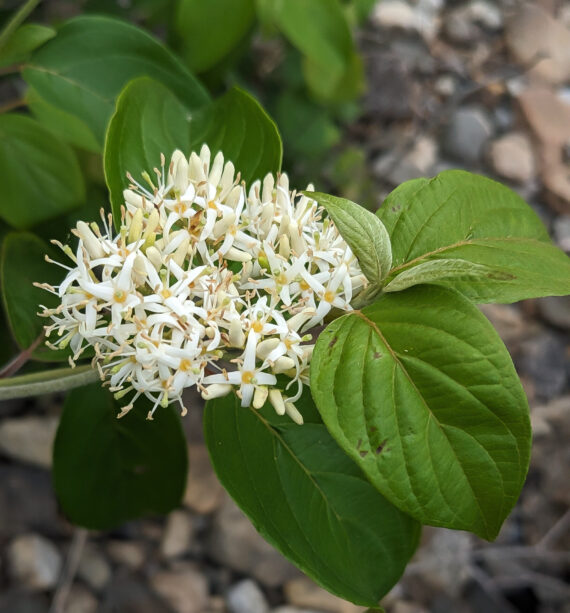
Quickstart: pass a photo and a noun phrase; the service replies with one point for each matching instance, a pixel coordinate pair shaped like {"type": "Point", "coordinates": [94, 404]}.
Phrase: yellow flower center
{"type": "Point", "coordinates": [257, 326]}
{"type": "Point", "coordinates": [247, 376]}
{"type": "Point", "coordinates": [166, 293]}
{"type": "Point", "coordinates": [185, 365]}
{"type": "Point", "coordinates": [119, 296]}
{"type": "Point", "coordinates": [329, 296]}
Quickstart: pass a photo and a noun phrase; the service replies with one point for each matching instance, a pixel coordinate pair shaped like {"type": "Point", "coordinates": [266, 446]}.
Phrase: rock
{"type": "Point", "coordinates": [547, 114]}
{"type": "Point", "coordinates": [303, 592]}
{"type": "Point", "coordinates": [27, 501]}
{"type": "Point", "coordinates": [177, 535]}
{"type": "Point", "coordinates": [128, 595]}
{"type": "Point", "coordinates": [556, 310]}
{"type": "Point", "coordinates": [466, 24]}
{"type": "Point", "coordinates": [466, 134]}
{"type": "Point", "coordinates": [537, 41]}
{"type": "Point", "coordinates": [404, 606]}
{"type": "Point", "coordinates": [16, 601]}
{"type": "Point", "coordinates": [184, 589]}
{"type": "Point", "coordinates": [512, 157]}
{"type": "Point", "coordinates": [246, 597]}
{"type": "Point", "coordinates": [234, 542]}
{"type": "Point", "coordinates": [561, 231]}
{"type": "Point", "coordinates": [33, 562]}
{"type": "Point", "coordinates": [288, 609]}
{"type": "Point", "coordinates": [418, 162]}
{"type": "Point", "coordinates": [394, 14]}
{"type": "Point", "coordinates": [442, 563]}
{"type": "Point", "coordinates": [81, 600]}
{"type": "Point", "coordinates": [130, 554]}
{"type": "Point", "coordinates": [204, 493]}
{"type": "Point", "coordinates": [29, 439]}
{"type": "Point", "coordinates": [94, 568]}
{"type": "Point", "coordinates": [544, 361]}
{"type": "Point", "coordinates": [396, 98]}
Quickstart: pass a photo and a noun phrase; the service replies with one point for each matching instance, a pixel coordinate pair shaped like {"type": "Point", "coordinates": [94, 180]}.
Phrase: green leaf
{"type": "Point", "coordinates": [458, 215]}
{"type": "Point", "coordinates": [107, 470]}
{"type": "Point", "coordinates": [364, 233]}
{"type": "Point", "coordinates": [149, 120]}
{"type": "Point", "coordinates": [47, 382]}
{"type": "Point", "coordinates": [237, 125]}
{"type": "Point", "coordinates": [40, 175]}
{"type": "Point", "coordinates": [208, 31]}
{"type": "Point", "coordinates": [21, 264]}
{"type": "Point", "coordinates": [319, 30]}
{"type": "Point", "coordinates": [64, 125]}
{"type": "Point", "coordinates": [309, 500]}
{"type": "Point", "coordinates": [83, 69]}
{"type": "Point", "coordinates": [23, 41]}
{"type": "Point", "coordinates": [17, 18]}
{"type": "Point", "coordinates": [420, 391]}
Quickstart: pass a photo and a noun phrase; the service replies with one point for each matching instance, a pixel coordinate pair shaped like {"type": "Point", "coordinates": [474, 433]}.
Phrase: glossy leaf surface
{"type": "Point", "coordinates": [420, 391]}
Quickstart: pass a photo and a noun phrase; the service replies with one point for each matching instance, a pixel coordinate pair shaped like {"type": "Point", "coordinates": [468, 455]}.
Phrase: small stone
{"type": "Point", "coordinates": [128, 595]}
{"type": "Point", "coordinates": [204, 493]}
{"type": "Point", "coordinates": [418, 162]}
{"type": "Point", "coordinates": [512, 157]}
{"type": "Point", "coordinates": [466, 24]}
{"type": "Point", "coordinates": [547, 114]}
{"type": "Point", "coordinates": [303, 592]}
{"type": "Point", "coordinates": [394, 14]}
{"type": "Point", "coordinates": [17, 601]}
{"type": "Point", "coordinates": [20, 484]}
{"type": "Point", "coordinates": [537, 41]}
{"type": "Point", "coordinates": [466, 134]}
{"type": "Point", "coordinates": [544, 361]}
{"type": "Point", "coordinates": [445, 85]}
{"type": "Point", "coordinates": [556, 310]}
{"type": "Point", "coordinates": [81, 600]}
{"type": "Point", "coordinates": [177, 535]}
{"type": "Point", "coordinates": [29, 439]}
{"type": "Point", "coordinates": [235, 543]}
{"type": "Point", "coordinates": [34, 562]}
{"type": "Point", "coordinates": [131, 555]}
{"type": "Point", "coordinates": [246, 597]}
{"type": "Point", "coordinates": [185, 589]}
{"type": "Point", "coordinates": [289, 609]}
{"type": "Point", "coordinates": [562, 232]}
{"type": "Point", "coordinates": [403, 606]}
{"type": "Point", "coordinates": [94, 568]}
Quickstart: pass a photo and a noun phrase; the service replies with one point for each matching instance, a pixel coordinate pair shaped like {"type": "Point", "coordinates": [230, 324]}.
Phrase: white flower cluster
{"type": "Point", "coordinates": [206, 284]}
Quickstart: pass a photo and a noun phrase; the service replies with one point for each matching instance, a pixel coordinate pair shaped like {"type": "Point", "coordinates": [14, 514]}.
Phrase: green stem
{"type": "Point", "coordinates": [17, 18]}
{"type": "Point", "coordinates": [47, 382]}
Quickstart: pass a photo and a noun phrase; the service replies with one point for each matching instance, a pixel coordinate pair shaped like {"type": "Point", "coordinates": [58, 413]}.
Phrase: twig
{"type": "Point", "coordinates": [553, 535]}
{"type": "Point", "coordinates": [14, 366]}
{"type": "Point", "coordinates": [68, 575]}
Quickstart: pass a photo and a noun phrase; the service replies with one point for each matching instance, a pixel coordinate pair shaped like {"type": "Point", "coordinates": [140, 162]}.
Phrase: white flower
{"type": "Point", "coordinates": [206, 284]}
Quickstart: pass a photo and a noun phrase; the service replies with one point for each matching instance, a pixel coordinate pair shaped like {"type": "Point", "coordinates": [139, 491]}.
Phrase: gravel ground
{"type": "Point", "coordinates": [478, 85]}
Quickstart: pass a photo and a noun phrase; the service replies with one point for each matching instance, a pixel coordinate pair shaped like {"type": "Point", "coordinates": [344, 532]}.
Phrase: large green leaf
{"type": "Point", "coordinates": [208, 31]}
{"type": "Point", "coordinates": [21, 264]}
{"type": "Point", "coordinates": [419, 389]}
{"type": "Point", "coordinates": [237, 125]}
{"type": "Point", "coordinates": [364, 233]}
{"type": "Point", "coordinates": [472, 219]}
{"type": "Point", "coordinates": [107, 470]}
{"type": "Point", "coordinates": [149, 120]}
{"type": "Point", "coordinates": [83, 69]}
{"type": "Point", "coordinates": [40, 175]}
{"type": "Point", "coordinates": [309, 500]}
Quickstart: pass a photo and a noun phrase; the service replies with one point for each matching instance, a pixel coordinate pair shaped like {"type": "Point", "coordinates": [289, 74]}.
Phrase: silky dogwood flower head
{"type": "Point", "coordinates": [208, 283]}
